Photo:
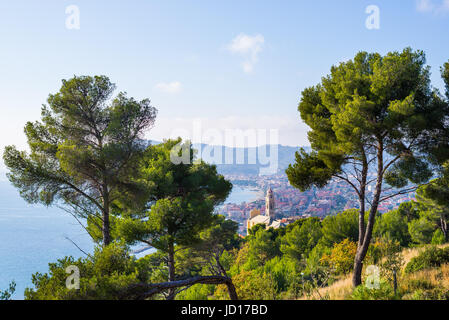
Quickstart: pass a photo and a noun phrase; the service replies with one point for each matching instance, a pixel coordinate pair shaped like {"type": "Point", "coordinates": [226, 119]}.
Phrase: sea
{"type": "Point", "coordinates": [33, 235]}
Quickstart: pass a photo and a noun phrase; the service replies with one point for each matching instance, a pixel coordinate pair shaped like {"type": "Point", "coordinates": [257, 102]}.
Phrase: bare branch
{"type": "Point", "coordinates": [403, 191]}
{"type": "Point", "coordinates": [143, 291]}
{"type": "Point", "coordinates": [349, 182]}
{"type": "Point", "coordinates": [78, 247]}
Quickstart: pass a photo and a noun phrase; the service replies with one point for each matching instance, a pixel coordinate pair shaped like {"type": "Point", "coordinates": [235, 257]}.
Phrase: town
{"type": "Point", "coordinates": [292, 204]}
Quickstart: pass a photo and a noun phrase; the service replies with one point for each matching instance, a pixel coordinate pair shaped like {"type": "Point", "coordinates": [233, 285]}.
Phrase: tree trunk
{"type": "Point", "coordinates": [144, 290]}
{"type": "Point", "coordinates": [357, 273]}
{"type": "Point", "coordinates": [171, 270]}
{"type": "Point", "coordinates": [106, 229]}
{"type": "Point", "coordinates": [358, 261]}
{"type": "Point", "coordinates": [362, 248]}
{"type": "Point", "coordinates": [444, 226]}
{"type": "Point", "coordinates": [231, 290]}
{"type": "Point", "coordinates": [106, 223]}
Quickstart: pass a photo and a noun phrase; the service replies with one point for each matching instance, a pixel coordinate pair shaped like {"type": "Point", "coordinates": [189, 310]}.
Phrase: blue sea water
{"type": "Point", "coordinates": [240, 195]}
{"type": "Point", "coordinates": [31, 236]}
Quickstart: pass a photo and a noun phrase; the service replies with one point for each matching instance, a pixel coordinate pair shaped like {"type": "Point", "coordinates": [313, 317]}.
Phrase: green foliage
{"type": "Point", "coordinates": [103, 276]}
{"type": "Point", "coordinates": [392, 259]}
{"type": "Point", "coordinates": [250, 285]}
{"type": "Point", "coordinates": [213, 254]}
{"type": "Point", "coordinates": [357, 101]}
{"type": "Point", "coordinates": [438, 237]}
{"type": "Point", "coordinates": [430, 258]}
{"type": "Point", "coordinates": [220, 236]}
{"type": "Point", "coordinates": [342, 257]}
{"type": "Point", "coordinates": [85, 150]}
{"type": "Point", "coordinates": [256, 228]}
{"type": "Point", "coordinates": [435, 198]}
{"type": "Point", "coordinates": [409, 210]}
{"type": "Point", "coordinates": [433, 294]}
{"type": "Point", "coordinates": [344, 225]}
{"type": "Point", "coordinates": [182, 198]}
{"type": "Point", "coordinates": [263, 246]}
{"type": "Point", "coordinates": [314, 262]}
{"type": "Point", "coordinates": [298, 243]}
{"type": "Point", "coordinates": [421, 230]}
{"type": "Point", "coordinates": [308, 171]}
{"type": "Point", "coordinates": [197, 292]}
{"type": "Point", "coordinates": [421, 289]}
{"type": "Point", "coordinates": [384, 292]}
{"type": "Point", "coordinates": [445, 75]}
{"type": "Point", "coordinates": [372, 109]}
{"type": "Point", "coordinates": [393, 225]}
{"type": "Point", "coordinates": [283, 271]}
{"type": "Point", "coordinates": [7, 294]}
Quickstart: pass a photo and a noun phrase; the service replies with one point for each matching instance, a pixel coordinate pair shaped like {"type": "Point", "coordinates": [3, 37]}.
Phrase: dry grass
{"type": "Point", "coordinates": [409, 254]}
{"type": "Point", "coordinates": [428, 282]}
{"type": "Point", "coordinates": [435, 277]}
{"type": "Point", "coordinates": [341, 289]}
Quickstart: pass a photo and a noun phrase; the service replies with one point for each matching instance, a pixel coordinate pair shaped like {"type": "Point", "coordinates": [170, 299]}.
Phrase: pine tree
{"type": "Point", "coordinates": [374, 121]}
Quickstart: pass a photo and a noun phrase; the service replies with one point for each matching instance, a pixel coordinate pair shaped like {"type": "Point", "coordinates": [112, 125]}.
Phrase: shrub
{"type": "Point", "coordinates": [419, 284]}
{"type": "Point", "coordinates": [392, 225]}
{"type": "Point", "coordinates": [299, 241]}
{"type": "Point", "coordinates": [433, 294]}
{"type": "Point", "coordinates": [283, 271]}
{"type": "Point", "coordinates": [421, 230]}
{"type": "Point", "coordinates": [196, 292]}
{"type": "Point", "coordinates": [250, 285]}
{"type": "Point", "coordinates": [103, 276]}
{"type": "Point", "coordinates": [385, 292]}
{"type": "Point", "coordinates": [344, 225]}
{"type": "Point", "coordinates": [438, 237]}
{"type": "Point", "coordinates": [392, 259]}
{"type": "Point", "coordinates": [342, 256]}
{"type": "Point", "coordinates": [430, 258]}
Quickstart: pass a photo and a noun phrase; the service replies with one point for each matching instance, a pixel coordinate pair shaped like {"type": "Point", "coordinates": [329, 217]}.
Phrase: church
{"type": "Point", "coordinates": [270, 214]}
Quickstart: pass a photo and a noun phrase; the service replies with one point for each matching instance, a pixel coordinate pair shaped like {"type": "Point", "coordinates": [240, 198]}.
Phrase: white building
{"type": "Point", "coordinates": [270, 213]}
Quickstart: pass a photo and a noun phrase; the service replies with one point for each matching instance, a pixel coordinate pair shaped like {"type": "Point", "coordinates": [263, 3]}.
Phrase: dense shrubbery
{"type": "Point", "coordinates": [384, 292]}
{"type": "Point", "coordinates": [286, 263]}
{"type": "Point", "coordinates": [429, 258]}
{"type": "Point", "coordinates": [103, 276]}
{"type": "Point", "coordinates": [342, 256]}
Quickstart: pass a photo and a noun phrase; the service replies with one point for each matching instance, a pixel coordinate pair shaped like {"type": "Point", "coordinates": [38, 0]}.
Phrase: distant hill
{"type": "Point", "coordinates": [229, 160]}
{"type": "Point", "coordinates": [248, 161]}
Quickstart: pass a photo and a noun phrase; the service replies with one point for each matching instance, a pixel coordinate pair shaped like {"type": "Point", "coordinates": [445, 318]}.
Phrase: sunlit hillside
{"type": "Point", "coordinates": [408, 284]}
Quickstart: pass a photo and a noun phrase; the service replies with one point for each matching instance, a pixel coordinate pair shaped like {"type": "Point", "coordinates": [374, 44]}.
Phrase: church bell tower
{"type": "Point", "coordinates": [269, 204]}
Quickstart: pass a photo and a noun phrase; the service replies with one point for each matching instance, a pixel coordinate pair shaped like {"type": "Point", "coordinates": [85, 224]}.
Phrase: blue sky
{"type": "Point", "coordinates": [230, 64]}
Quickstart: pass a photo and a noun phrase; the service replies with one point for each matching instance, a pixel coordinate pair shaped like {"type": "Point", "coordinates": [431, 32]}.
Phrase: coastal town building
{"type": "Point", "coordinates": [290, 204]}
{"type": "Point", "coordinates": [268, 219]}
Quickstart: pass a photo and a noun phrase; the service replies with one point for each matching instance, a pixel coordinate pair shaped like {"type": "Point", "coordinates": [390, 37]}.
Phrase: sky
{"type": "Point", "coordinates": [211, 65]}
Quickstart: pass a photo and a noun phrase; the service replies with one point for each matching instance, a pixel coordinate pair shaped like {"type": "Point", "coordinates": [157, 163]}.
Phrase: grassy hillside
{"type": "Point", "coordinates": [423, 284]}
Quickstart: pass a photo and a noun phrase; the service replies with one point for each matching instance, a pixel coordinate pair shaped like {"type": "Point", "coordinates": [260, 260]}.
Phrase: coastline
{"type": "Point", "coordinates": [242, 194]}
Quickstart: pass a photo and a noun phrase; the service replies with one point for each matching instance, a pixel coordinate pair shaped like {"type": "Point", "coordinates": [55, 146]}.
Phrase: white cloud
{"type": "Point", "coordinates": [445, 5]}
{"type": "Point", "coordinates": [424, 5]}
{"type": "Point", "coordinates": [171, 87]}
{"type": "Point", "coordinates": [433, 6]}
{"type": "Point", "coordinates": [249, 47]}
